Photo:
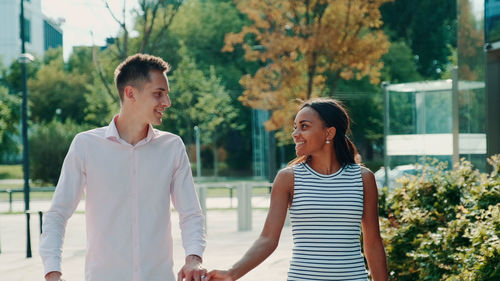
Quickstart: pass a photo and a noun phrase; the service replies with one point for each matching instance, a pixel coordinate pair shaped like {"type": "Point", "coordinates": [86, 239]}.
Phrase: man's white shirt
{"type": "Point", "coordinates": [128, 190]}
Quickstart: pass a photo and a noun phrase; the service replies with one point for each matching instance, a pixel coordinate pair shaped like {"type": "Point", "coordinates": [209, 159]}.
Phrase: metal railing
{"type": "Point", "coordinates": [11, 191]}
{"type": "Point", "coordinates": [244, 190]}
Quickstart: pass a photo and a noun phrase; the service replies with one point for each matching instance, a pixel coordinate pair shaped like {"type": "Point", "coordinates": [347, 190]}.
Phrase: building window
{"type": "Point", "coordinates": [52, 36]}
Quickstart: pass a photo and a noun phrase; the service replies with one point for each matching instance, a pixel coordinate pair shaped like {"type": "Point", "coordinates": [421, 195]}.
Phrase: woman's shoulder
{"type": "Point", "coordinates": [285, 177]}
{"type": "Point", "coordinates": [368, 178]}
{"type": "Point", "coordinates": [366, 172]}
{"type": "Point", "coordinates": [286, 172]}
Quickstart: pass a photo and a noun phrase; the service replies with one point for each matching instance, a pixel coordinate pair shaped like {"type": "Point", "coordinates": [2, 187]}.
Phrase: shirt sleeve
{"type": "Point", "coordinates": [185, 201]}
{"type": "Point", "coordinates": [64, 202]}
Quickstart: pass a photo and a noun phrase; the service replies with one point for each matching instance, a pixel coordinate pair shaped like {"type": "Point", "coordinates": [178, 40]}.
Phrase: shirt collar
{"type": "Point", "coordinates": [112, 133]}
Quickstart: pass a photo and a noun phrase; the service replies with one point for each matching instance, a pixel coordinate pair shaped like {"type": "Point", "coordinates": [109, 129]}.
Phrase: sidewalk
{"type": "Point", "coordinates": [224, 243]}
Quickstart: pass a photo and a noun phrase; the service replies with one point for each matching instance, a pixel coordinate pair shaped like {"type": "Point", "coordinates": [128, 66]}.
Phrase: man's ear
{"type": "Point", "coordinates": [129, 93]}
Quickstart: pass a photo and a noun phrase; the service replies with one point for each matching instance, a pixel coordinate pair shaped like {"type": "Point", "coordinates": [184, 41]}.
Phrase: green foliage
{"type": "Point", "coordinates": [427, 27]}
{"type": "Point", "coordinates": [445, 224]}
{"type": "Point", "coordinates": [400, 64]}
{"type": "Point", "coordinates": [214, 113]}
{"type": "Point", "coordinates": [10, 115]}
{"type": "Point", "coordinates": [56, 92]}
{"type": "Point", "coordinates": [202, 26]}
{"type": "Point", "coordinates": [13, 75]}
{"type": "Point", "coordinates": [49, 144]}
{"type": "Point", "coordinates": [100, 106]}
{"type": "Point", "coordinates": [186, 88]}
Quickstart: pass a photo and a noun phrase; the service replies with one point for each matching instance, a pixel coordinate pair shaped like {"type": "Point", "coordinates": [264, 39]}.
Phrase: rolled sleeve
{"type": "Point", "coordinates": [64, 202]}
{"type": "Point", "coordinates": [185, 201]}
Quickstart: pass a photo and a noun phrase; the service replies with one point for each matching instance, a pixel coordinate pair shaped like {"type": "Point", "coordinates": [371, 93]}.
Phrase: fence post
{"type": "Point", "coordinates": [10, 199]}
{"type": "Point", "coordinates": [40, 218]}
{"type": "Point", "coordinates": [202, 197]}
{"type": "Point", "coordinates": [244, 207]}
{"type": "Point", "coordinates": [28, 235]}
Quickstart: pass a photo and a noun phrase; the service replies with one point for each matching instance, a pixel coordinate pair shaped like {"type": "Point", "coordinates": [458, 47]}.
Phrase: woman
{"type": "Point", "coordinates": [329, 197]}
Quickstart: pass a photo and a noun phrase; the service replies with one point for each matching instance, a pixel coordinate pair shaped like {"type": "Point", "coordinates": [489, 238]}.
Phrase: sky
{"type": "Point", "coordinates": [86, 22]}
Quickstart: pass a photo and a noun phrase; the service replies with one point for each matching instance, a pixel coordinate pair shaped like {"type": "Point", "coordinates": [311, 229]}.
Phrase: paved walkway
{"type": "Point", "coordinates": [224, 243]}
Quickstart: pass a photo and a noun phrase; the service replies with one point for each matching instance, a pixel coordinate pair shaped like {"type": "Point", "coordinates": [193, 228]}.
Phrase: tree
{"type": "Point", "coordinates": [471, 57]}
{"type": "Point", "coordinates": [428, 27]}
{"type": "Point", "coordinates": [215, 114]}
{"type": "Point", "coordinates": [202, 26]}
{"type": "Point", "coordinates": [198, 100]}
{"type": "Point", "coordinates": [54, 92]}
{"type": "Point", "coordinates": [52, 141]}
{"type": "Point", "coordinates": [10, 106]}
{"type": "Point", "coordinates": [304, 44]}
{"type": "Point", "coordinates": [400, 64]}
{"type": "Point", "coordinates": [186, 85]}
{"type": "Point", "coordinates": [152, 21]}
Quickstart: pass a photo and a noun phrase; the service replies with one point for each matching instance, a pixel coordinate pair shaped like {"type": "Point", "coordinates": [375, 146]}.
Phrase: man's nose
{"type": "Point", "coordinates": [166, 101]}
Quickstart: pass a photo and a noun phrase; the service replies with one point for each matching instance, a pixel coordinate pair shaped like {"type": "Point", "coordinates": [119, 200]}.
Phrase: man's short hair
{"type": "Point", "coordinates": [135, 71]}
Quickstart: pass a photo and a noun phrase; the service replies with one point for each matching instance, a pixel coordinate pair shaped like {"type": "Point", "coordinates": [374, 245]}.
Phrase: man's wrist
{"type": "Point", "coordinates": [53, 275]}
{"type": "Point", "coordinates": [194, 258]}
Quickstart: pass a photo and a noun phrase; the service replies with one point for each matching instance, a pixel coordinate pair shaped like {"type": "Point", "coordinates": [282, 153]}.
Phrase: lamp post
{"type": "Point", "coordinates": [198, 154]}
{"type": "Point", "coordinates": [386, 131]}
{"type": "Point", "coordinates": [25, 58]}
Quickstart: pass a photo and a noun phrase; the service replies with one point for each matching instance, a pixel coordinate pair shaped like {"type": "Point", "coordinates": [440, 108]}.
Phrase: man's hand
{"type": "Point", "coordinates": [192, 270]}
{"type": "Point", "coordinates": [53, 276]}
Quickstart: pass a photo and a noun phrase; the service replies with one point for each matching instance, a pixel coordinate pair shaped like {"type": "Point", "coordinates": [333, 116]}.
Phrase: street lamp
{"type": "Point", "coordinates": [386, 84]}
{"type": "Point", "coordinates": [23, 59]}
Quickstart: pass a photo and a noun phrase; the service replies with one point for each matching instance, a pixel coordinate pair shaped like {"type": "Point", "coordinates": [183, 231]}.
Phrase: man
{"type": "Point", "coordinates": [130, 173]}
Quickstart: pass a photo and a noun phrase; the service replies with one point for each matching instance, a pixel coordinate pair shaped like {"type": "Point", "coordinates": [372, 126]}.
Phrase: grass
{"type": "Point", "coordinates": [11, 171]}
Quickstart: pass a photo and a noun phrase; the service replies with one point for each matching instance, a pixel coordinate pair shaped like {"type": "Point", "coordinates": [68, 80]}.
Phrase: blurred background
{"type": "Point", "coordinates": [419, 79]}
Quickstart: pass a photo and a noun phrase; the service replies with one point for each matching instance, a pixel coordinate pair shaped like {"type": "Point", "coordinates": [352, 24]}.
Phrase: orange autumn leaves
{"type": "Point", "coordinates": [304, 48]}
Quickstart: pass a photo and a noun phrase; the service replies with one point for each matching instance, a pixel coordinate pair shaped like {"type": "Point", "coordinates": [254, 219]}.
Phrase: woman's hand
{"type": "Point", "coordinates": [219, 275]}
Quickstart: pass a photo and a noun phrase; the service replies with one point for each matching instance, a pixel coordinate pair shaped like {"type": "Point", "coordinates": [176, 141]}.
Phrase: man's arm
{"type": "Point", "coordinates": [191, 218]}
{"type": "Point", "coordinates": [65, 200]}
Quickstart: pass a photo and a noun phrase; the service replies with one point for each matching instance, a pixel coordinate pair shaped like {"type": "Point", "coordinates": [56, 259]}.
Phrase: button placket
{"type": "Point", "coordinates": [135, 216]}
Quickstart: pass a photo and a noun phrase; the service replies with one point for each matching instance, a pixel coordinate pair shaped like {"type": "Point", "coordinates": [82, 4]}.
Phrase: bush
{"type": "Point", "coordinates": [444, 225]}
{"type": "Point", "coordinates": [49, 144]}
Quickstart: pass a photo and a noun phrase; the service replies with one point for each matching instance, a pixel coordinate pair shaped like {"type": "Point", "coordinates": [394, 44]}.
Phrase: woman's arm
{"type": "Point", "coordinates": [267, 242]}
{"type": "Point", "coordinates": [372, 242]}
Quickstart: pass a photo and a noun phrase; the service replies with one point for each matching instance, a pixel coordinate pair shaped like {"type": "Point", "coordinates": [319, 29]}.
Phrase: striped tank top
{"type": "Point", "coordinates": [326, 216]}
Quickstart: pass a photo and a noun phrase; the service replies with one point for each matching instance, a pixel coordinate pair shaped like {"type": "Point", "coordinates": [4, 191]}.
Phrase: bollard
{"type": "Point", "coordinates": [202, 196]}
{"type": "Point", "coordinates": [230, 197]}
{"type": "Point", "coordinates": [10, 199]}
{"type": "Point", "coordinates": [28, 235]}
{"type": "Point", "coordinates": [244, 207]}
{"type": "Point", "coordinates": [40, 218]}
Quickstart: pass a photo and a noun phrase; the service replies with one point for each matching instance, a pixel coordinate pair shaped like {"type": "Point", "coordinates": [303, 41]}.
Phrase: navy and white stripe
{"type": "Point", "coordinates": [326, 216]}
